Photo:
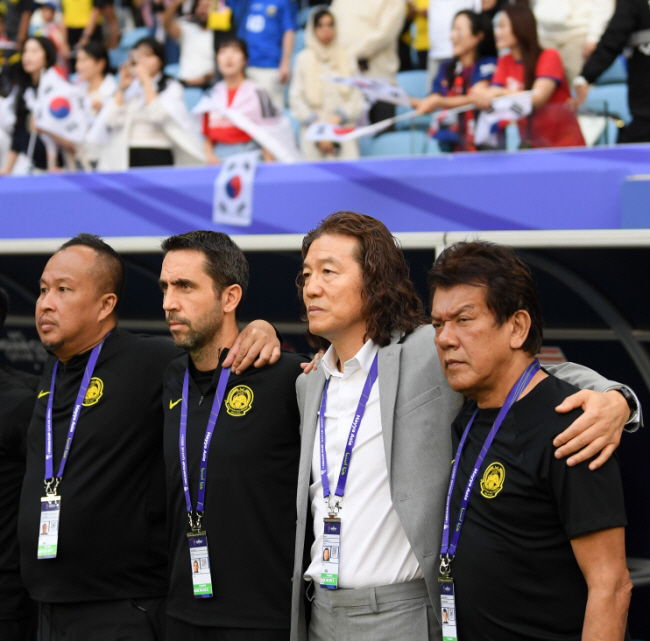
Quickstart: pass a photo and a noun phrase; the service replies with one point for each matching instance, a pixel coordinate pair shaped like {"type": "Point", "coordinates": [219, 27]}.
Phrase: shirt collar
{"type": "Point", "coordinates": [361, 360]}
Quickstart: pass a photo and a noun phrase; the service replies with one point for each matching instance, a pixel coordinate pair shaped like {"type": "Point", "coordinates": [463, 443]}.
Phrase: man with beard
{"type": "Point", "coordinates": [231, 486]}
{"type": "Point", "coordinates": [99, 572]}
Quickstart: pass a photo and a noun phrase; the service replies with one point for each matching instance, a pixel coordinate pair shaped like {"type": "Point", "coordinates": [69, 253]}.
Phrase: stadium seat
{"type": "Point", "coordinates": [414, 83]}
{"type": "Point", "coordinates": [399, 143]}
{"type": "Point", "coordinates": [421, 122]}
{"type": "Point", "coordinates": [298, 45]}
{"type": "Point", "coordinates": [192, 95]}
{"type": "Point", "coordinates": [433, 148]}
{"type": "Point", "coordinates": [303, 16]}
{"type": "Point", "coordinates": [609, 99]}
{"type": "Point", "coordinates": [617, 73]}
{"type": "Point", "coordinates": [172, 70]}
{"type": "Point", "coordinates": [130, 38]}
{"type": "Point", "coordinates": [513, 138]}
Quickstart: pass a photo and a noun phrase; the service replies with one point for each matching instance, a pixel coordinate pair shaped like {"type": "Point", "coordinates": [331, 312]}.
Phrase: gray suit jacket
{"type": "Point", "coordinates": [417, 408]}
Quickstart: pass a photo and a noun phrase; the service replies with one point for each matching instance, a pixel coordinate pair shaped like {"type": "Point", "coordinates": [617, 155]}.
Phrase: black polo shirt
{"type": "Point", "coordinates": [515, 572]}
{"type": "Point", "coordinates": [17, 397]}
{"type": "Point", "coordinates": [112, 542]}
{"type": "Point", "coordinates": [250, 500]}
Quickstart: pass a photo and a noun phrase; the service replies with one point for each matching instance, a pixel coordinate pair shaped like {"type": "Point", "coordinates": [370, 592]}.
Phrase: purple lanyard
{"type": "Point", "coordinates": [182, 444]}
{"type": "Point", "coordinates": [447, 551]}
{"type": "Point", "coordinates": [354, 429]}
{"type": "Point", "coordinates": [49, 430]}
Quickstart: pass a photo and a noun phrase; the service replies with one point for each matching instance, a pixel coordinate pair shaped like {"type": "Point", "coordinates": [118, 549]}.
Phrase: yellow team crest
{"type": "Point", "coordinates": [271, 10]}
{"type": "Point", "coordinates": [239, 400]}
{"type": "Point", "coordinates": [492, 481]}
{"type": "Point", "coordinates": [94, 392]}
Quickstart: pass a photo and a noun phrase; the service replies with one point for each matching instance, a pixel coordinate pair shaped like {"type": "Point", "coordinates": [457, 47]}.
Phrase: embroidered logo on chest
{"type": "Point", "coordinates": [239, 401]}
{"type": "Point", "coordinates": [94, 392]}
{"type": "Point", "coordinates": [492, 481]}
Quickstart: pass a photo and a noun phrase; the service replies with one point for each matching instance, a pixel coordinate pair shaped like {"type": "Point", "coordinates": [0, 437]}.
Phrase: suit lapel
{"type": "Point", "coordinates": [312, 405]}
{"type": "Point", "coordinates": [389, 359]}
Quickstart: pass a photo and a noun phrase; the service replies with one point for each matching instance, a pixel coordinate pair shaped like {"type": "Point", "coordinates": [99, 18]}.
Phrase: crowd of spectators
{"type": "Point", "coordinates": [270, 59]}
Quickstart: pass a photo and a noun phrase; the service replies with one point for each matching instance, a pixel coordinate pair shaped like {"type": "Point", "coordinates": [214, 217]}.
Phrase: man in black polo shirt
{"type": "Point", "coordinates": [237, 586]}
{"type": "Point", "coordinates": [541, 551]}
{"type": "Point", "coordinates": [99, 572]}
{"type": "Point", "coordinates": [17, 397]}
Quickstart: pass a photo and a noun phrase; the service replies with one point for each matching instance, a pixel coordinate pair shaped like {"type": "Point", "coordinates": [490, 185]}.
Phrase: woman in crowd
{"type": "Point", "coordinates": [148, 122]}
{"type": "Point", "coordinates": [235, 92]}
{"type": "Point", "coordinates": [528, 66]}
{"type": "Point", "coordinates": [38, 55]}
{"type": "Point", "coordinates": [100, 86]}
{"type": "Point", "coordinates": [469, 70]}
{"type": "Point", "coordinates": [312, 98]}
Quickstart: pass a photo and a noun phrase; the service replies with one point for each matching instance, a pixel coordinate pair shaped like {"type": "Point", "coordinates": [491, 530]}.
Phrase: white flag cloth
{"type": "Point", "coordinates": [318, 131]}
{"type": "Point", "coordinates": [8, 113]}
{"type": "Point", "coordinates": [233, 190]}
{"type": "Point", "coordinates": [59, 108]}
{"type": "Point", "coordinates": [504, 108]}
{"type": "Point", "coordinates": [276, 136]}
{"type": "Point", "coordinates": [374, 90]}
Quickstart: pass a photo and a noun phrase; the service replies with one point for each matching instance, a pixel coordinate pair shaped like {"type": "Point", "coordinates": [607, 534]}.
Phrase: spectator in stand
{"type": "Point", "coordinates": [236, 92]}
{"type": "Point", "coordinates": [100, 85]}
{"type": "Point", "coordinates": [418, 10]}
{"type": "Point", "coordinates": [441, 15]}
{"type": "Point", "coordinates": [629, 27]}
{"type": "Point", "coordinates": [573, 28]}
{"type": "Point", "coordinates": [51, 27]}
{"type": "Point", "coordinates": [268, 28]}
{"type": "Point", "coordinates": [16, 18]}
{"type": "Point", "coordinates": [369, 30]}
{"type": "Point", "coordinates": [80, 25]}
{"type": "Point", "coordinates": [529, 67]}
{"type": "Point", "coordinates": [489, 10]}
{"type": "Point", "coordinates": [101, 9]}
{"type": "Point", "coordinates": [147, 117]}
{"type": "Point", "coordinates": [470, 69]}
{"type": "Point", "coordinates": [38, 54]}
{"type": "Point", "coordinates": [196, 42]}
{"type": "Point", "coordinates": [311, 98]}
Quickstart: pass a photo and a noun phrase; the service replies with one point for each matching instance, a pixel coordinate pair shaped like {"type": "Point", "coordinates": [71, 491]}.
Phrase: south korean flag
{"type": "Point", "coordinates": [233, 190]}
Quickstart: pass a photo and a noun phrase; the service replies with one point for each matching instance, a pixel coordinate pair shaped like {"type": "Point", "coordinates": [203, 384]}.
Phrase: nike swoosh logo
{"type": "Point", "coordinates": [42, 393]}
{"type": "Point", "coordinates": [174, 404]}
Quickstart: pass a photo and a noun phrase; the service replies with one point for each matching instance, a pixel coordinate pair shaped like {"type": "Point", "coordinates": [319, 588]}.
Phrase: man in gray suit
{"type": "Point", "coordinates": [381, 392]}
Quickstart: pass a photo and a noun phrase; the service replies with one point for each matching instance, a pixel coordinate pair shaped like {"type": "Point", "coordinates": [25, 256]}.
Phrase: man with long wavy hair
{"type": "Point", "coordinates": [379, 392]}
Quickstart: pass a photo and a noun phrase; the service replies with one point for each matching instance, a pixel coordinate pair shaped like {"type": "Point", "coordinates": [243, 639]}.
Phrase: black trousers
{"type": "Point", "coordinates": [180, 631]}
{"type": "Point", "coordinates": [122, 620]}
{"type": "Point", "coordinates": [637, 131]}
{"type": "Point", "coordinates": [150, 157]}
{"type": "Point", "coordinates": [19, 629]}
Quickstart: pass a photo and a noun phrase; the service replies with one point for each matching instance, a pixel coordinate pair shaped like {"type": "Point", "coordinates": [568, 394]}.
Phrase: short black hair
{"type": "Point", "coordinates": [225, 263]}
{"type": "Point", "coordinates": [4, 306]}
{"type": "Point", "coordinates": [111, 265]}
{"type": "Point", "coordinates": [234, 42]}
{"type": "Point", "coordinates": [98, 52]}
{"type": "Point", "coordinates": [507, 279]}
{"type": "Point", "coordinates": [156, 47]}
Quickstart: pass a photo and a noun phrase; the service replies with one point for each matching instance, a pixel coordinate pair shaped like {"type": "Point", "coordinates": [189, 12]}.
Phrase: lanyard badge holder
{"type": "Point", "coordinates": [196, 537]}
{"type": "Point", "coordinates": [48, 531]}
{"type": "Point", "coordinates": [447, 550]}
{"type": "Point", "coordinates": [331, 554]}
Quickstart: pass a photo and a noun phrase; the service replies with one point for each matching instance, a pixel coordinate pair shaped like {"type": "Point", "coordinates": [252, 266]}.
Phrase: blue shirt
{"type": "Point", "coordinates": [262, 27]}
{"type": "Point", "coordinates": [482, 70]}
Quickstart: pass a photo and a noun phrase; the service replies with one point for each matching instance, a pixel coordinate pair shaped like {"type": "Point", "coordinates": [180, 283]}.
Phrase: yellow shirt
{"type": "Point", "coordinates": [76, 13]}
{"type": "Point", "coordinates": [421, 42]}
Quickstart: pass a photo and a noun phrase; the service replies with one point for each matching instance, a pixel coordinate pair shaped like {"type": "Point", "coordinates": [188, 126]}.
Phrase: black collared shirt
{"type": "Point", "coordinates": [112, 542]}
{"type": "Point", "coordinates": [250, 500]}
{"type": "Point", "coordinates": [17, 397]}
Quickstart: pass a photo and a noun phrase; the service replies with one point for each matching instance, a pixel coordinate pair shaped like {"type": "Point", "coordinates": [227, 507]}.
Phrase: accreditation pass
{"type": "Point", "coordinates": [329, 577]}
{"type": "Point", "coordinates": [48, 533]}
{"type": "Point", "coordinates": [448, 609]}
{"type": "Point", "coordinates": [200, 561]}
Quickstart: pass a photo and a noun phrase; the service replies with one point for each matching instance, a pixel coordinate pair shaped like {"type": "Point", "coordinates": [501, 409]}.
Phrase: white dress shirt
{"type": "Point", "coordinates": [374, 547]}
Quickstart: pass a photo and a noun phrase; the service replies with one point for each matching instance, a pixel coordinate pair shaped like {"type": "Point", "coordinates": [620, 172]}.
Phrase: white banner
{"type": "Point", "coordinates": [504, 108]}
{"type": "Point", "coordinates": [318, 131]}
{"type": "Point", "coordinates": [374, 90]}
{"type": "Point", "coordinates": [60, 108]}
{"type": "Point", "coordinates": [233, 190]}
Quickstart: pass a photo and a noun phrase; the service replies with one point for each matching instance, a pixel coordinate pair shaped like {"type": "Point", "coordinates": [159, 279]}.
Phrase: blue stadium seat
{"type": "Point", "coordinates": [421, 122]}
{"type": "Point", "coordinates": [513, 138]}
{"type": "Point", "coordinates": [611, 99]}
{"type": "Point", "coordinates": [117, 57]}
{"type": "Point", "coordinates": [172, 70]}
{"type": "Point", "coordinates": [414, 83]}
{"type": "Point", "coordinates": [303, 16]}
{"type": "Point", "coordinates": [130, 38]}
{"type": "Point", "coordinates": [617, 73]}
{"type": "Point", "coordinates": [433, 148]}
{"type": "Point", "coordinates": [192, 95]}
{"type": "Point", "coordinates": [298, 45]}
{"type": "Point", "coordinates": [399, 143]}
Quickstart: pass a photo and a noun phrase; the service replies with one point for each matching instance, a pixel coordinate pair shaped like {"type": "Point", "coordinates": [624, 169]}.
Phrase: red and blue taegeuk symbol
{"type": "Point", "coordinates": [60, 107]}
{"type": "Point", "coordinates": [233, 187]}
